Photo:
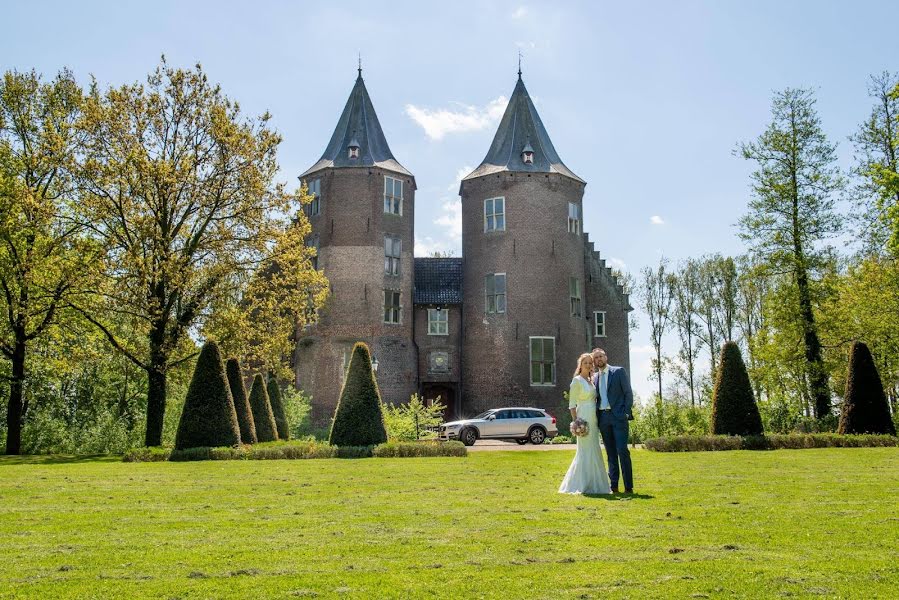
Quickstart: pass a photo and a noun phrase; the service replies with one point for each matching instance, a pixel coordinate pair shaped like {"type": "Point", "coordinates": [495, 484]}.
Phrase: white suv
{"type": "Point", "coordinates": [520, 424]}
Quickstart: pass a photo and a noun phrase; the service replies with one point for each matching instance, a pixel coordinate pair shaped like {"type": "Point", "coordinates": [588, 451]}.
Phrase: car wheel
{"type": "Point", "coordinates": [522, 442]}
{"type": "Point", "coordinates": [537, 435]}
{"type": "Point", "coordinates": [469, 437]}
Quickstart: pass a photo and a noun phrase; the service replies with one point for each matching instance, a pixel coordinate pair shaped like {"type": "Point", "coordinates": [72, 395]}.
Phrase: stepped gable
{"type": "Point", "coordinates": [438, 281]}
{"type": "Point", "coordinates": [521, 130]}
{"type": "Point", "coordinates": [606, 272]}
{"type": "Point", "coordinates": [359, 127]}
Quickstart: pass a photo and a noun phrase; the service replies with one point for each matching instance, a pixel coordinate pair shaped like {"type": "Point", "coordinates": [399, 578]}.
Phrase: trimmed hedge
{"type": "Point", "coordinates": [865, 408]}
{"type": "Point", "coordinates": [266, 429]}
{"type": "Point", "coordinates": [734, 411]}
{"type": "Point", "coordinates": [241, 402]}
{"type": "Point", "coordinates": [689, 443]}
{"type": "Point", "coordinates": [274, 398]}
{"type": "Point", "coordinates": [358, 420]}
{"type": "Point", "coordinates": [409, 449]}
{"type": "Point", "coordinates": [208, 417]}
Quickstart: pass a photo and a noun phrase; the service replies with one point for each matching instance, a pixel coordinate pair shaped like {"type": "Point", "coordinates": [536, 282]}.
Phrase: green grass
{"type": "Point", "coordinates": [802, 523]}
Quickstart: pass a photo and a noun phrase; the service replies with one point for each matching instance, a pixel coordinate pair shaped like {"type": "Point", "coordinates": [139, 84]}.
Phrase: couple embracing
{"type": "Point", "coordinates": [601, 396]}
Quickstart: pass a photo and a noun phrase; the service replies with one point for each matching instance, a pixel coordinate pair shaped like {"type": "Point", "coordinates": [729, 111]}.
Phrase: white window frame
{"type": "Point", "coordinates": [390, 201]}
{"type": "Point", "coordinates": [396, 310]}
{"type": "Point", "coordinates": [574, 218]}
{"type": "Point", "coordinates": [495, 296]}
{"type": "Point", "coordinates": [438, 321]}
{"type": "Point", "coordinates": [599, 316]}
{"type": "Point", "coordinates": [577, 303]}
{"type": "Point", "coordinates": [542, 362]}
{"type": "Point", "coordinates": [314, 189]}
{"type": "Point", "coordinates": [392, 261]}
{"type": "Point", "coordinates": [494, 214]}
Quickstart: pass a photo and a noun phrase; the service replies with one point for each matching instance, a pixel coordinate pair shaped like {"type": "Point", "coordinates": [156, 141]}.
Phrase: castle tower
{"type": "Point", "coordinates": [525, 315]}
{"type": "Point", "coordinates": [363, 226]}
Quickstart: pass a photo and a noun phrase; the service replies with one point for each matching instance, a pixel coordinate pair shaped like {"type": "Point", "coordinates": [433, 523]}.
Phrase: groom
{"type": "Point", "coordinates": [614, 407]}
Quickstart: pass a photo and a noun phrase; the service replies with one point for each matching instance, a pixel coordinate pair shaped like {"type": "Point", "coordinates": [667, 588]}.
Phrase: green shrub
{"type": "Point", "coordinates": [266, 429]}
{"type": "Point", "coordinates": [694, 443]}
{"type": "Point", "coordinates": [293, 450]}
{"type": "Point", "coordinates": [358, 420]}
{"type": "Point", "coordinates": [665, 419]}
{"type": "Point", "coordinates": [208, 417]}
{"type": "Point", "coordinates": [241, 402]}
{"type": "Point", "coordinates": [209, 453]}
{"type": "Point", "coordinates": [414, 420]}
{"type": "Point", "coordinates": [865, 408]}
{"type": "Point", "coordinates": [145, 454]}
{"type": "Point", "coordinates": [274, 398]}
{"type": "Point", "coordinates": [354, 451]}
{"type": "Point", "coordinates": [298, 409]}
{"type": "Point", "coordinates": [794, 441]}
{"type": "Point", "coordinates": [425, 448]}
{"type": "Point", "coordinates": [734, 411]}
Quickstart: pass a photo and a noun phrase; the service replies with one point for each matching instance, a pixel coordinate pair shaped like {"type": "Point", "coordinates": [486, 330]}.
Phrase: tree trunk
{"type": "Point", "coordinates": [156, 390]}
{"type": "Point", "coordinates": [15, 414]}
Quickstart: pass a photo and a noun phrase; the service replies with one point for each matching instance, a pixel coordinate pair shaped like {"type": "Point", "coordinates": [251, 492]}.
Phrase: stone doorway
{"type": "Point", "coordinates": [447, 394]}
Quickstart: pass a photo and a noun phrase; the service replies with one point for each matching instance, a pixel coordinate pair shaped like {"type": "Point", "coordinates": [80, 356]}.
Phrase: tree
{"type": "Point", "coordinates": [752, 291]}
{"type": "Point", "coordinates": [865, 408]}
{"type": "Point", "coordinates": [208, 418]}
{"type": "Point", "coordinates": [274, 397]}
{"type": "Point", "coordinates": [686, 289]}
{"type": "Point", "coordinates": [877, 167]}
{"type": "Point", "coordinates": [791, 213]}
{"type": "Point", "coordinates": [241, 403]}
{"type": "Point", "coordinates": [358, 420]}
{"type": "Point", "coordinates": [266, 428]}
{"type": "Point", "coordinates": [734, 411]}
{"type": "Point", "coordinates": [656, 297]}
{"type": "Point", "coordinates": [45, 259]}
{"type": "Point", "coordinates": [180, 191]}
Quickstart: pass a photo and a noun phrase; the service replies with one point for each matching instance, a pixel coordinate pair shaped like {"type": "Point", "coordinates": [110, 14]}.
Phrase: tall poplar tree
{"type": "Point", "coordinates": [791, 213]}
{"type": "Point", "coordinates": [656, 299]}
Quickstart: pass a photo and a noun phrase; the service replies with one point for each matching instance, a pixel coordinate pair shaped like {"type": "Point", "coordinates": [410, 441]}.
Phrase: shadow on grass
{"type": "Point", "coordinates": [619, 496]}
{"type": "Point", "coordinates": [57, 459]}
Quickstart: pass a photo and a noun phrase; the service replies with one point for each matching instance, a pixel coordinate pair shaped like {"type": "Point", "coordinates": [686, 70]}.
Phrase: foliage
{"type": "Point", "coordinates": [241, 402]}
{"type": "Point", "coordinates": [274, 398]}
{"type": "Point", "coordinates": [734, 411]}
{"type": "Point", "coordinates": [414, 420]}
{"type": "Point", "coordinates": [297, 409]}
{"type": "Point", "coordinates": [413, 449]}
{"type": "Point", "coordinates": [865, 408]}
{"type": "Point", "coordinates": [670, 418]}
{"type": "Point", "coordinates": [656, 297]}
{"type": "Point", "coordinates": [358, 419]}
{"type": "Point", "coordinates": [208, 417]}
{"type": "Point", "coordinates": [795, 441]}
{"type": "Point", "coordinates": [266, 428]}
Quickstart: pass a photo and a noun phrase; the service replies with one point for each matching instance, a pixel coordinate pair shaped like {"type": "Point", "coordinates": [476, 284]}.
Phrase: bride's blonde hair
{"type": "Point", "coordinates": [580, 361]}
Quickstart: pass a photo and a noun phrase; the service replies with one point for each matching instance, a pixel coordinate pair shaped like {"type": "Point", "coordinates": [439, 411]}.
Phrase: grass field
{"type": "Point", "coordinates": [821, 523]}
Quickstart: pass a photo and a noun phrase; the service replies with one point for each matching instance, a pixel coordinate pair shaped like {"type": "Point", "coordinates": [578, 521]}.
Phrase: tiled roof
{"type": "Point", "coordinates": [438, 281]}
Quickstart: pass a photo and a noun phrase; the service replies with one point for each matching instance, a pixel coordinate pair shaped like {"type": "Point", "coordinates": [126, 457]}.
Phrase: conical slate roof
{"type": "Point", "coordinates": [358, 124]}
{"type": "Point", "coordinates": [521, 126]}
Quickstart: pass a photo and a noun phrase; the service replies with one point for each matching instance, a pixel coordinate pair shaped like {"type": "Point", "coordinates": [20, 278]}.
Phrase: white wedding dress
{"type": "Point", "coordinates": [587, 473]}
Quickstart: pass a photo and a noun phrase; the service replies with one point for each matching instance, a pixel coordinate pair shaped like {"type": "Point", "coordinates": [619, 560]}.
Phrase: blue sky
{"type": "Point", "coordinates": [643, 100]}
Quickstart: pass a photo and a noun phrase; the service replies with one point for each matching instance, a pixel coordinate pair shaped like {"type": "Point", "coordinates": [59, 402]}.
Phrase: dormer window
{"type": "Point", "coordinates": [353, 148]}
{"type": "Point", "coordinates": [527, 154]}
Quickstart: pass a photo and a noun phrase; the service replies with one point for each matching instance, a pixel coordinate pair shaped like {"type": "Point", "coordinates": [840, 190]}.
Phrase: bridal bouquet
{"type": "Point", "coordinates": [579, 427]}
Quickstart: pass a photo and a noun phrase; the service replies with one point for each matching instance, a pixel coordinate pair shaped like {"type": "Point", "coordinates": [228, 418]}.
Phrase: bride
{"type": "Point", "coordinates": [587, 473]}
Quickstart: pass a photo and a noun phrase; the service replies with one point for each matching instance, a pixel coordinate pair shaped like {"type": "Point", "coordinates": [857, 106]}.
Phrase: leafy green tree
{"type": "Point", "coordinates": [45, 258]}
{"type": "Point", "coordinates": [656, 298]}
{"type": "Point", "coordinates": [686, 289]}
{"type": "Point", "coordinates": [208, 417]}
{"type": "Point", "coordinates": [358, 420]}
{"type": "Point", "coordinates": [791, 213]}
{"type": "Point", "coordinates": [865, 408]}
{"type": "Point", "coordinates": [414, 420]}
{"type": "Point", "coordinates": [241, 402]}
{"type": "Point", "coordinates": [180, 189]}
{"type": "Point", "coordinates": [274, 397]}
{"type": "Point", "coordinates": [266, 428]}
{"type": "Point", "coordinates": [734, 411]}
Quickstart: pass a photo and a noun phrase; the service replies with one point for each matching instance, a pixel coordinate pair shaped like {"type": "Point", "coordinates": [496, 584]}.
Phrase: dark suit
{"type": "Point", "coordinates": [613, 424]}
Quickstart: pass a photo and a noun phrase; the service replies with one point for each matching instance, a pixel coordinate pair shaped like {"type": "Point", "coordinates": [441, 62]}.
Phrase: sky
{"type": "Point", "coordinates": [646, 101]}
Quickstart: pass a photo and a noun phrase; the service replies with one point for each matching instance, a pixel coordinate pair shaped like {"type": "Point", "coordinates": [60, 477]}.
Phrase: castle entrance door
{"type": "Point", "coordinates": [447, 394]}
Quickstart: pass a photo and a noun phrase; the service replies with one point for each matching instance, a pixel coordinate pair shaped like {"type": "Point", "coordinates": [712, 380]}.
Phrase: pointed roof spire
{"type": "Point", "coordinates": [520, 127]}
{"type": "Point", "coordinates": [519, 63]}
{"type": "Point", "coordinates": [358, 126]}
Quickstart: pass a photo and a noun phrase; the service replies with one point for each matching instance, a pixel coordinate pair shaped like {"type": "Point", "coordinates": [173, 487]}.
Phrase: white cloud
{"type": "Point", "coordinates": [462, 172]}
{"type": "Point", "coordinates": [439, 122]}
{"type": "Point", "coordinates": [520, 12]}
{"type": "Point", "coordinates": [427, 246]}
{"type": "Point", "coordinates": [656, 220]}
{"type": "Point", "coordinates": [451, 219]}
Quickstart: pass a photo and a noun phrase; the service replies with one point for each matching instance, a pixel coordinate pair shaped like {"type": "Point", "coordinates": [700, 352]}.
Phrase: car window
{"type": "Point", "coordinates": [503, 414]}
{"type": "Point", "coordinates": [536, 414]}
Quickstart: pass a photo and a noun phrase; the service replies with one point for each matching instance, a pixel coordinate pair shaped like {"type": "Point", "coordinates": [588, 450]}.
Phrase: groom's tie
{"type": "Point", "coordinates": [603, 392]}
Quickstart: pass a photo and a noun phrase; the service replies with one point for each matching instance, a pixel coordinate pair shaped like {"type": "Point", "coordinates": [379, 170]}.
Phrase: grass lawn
{"type": "Point", "coordinates": [731, 524]}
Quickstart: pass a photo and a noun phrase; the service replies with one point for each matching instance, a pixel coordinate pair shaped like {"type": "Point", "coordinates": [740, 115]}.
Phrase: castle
{"type": "Point", "coordinates": [503, 324]}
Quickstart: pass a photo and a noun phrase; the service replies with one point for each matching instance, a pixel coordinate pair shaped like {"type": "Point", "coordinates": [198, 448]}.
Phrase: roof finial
{"type": "Point", "coordinates": [519, 63]}
{"type": "Point", "coordinates": [360, 65]}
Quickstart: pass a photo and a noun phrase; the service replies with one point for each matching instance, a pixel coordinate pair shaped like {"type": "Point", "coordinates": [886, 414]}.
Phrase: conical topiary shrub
{"type": "Point", "coordinates": [208, 418]}
{"type": "Point", "coordinates": [241, 403]}
{"type": "Point", "coordinates": [358, 420]}
{"type": "Point", "coordinates": [274, 398]}
{"type": "Point", "coordinates": [266, 430]}
{"type": "Point", "coordinates": [865, 408]}
{"type": "Point", "coordinates": [734, 411]}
